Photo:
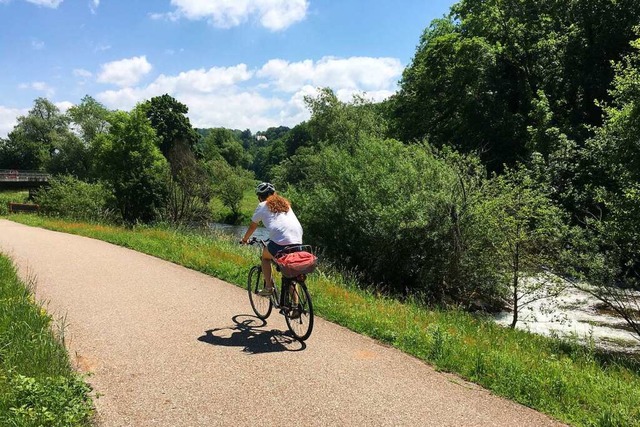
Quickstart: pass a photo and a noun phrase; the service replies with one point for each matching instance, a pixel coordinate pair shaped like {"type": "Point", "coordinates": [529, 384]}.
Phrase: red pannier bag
{"type": "Point", "coordinates": [297, 263]}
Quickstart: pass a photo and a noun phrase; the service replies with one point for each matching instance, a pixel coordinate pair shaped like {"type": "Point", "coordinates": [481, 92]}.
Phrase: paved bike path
{"type": "Point", "coordinates": [167, 346]}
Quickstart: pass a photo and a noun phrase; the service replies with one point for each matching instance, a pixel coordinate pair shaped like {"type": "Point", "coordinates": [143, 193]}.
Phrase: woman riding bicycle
{"type": "Point", "coordinates": [284, 228]}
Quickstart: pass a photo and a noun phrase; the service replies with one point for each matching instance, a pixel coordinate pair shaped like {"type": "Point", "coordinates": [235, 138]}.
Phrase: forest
{"type": "Point", "coordinates": [506, 166]}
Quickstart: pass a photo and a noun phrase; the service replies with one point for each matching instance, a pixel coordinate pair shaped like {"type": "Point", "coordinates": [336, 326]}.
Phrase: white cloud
{"type": "Point", "coordinates": [272, 14]}
{"type": "Point", "coordinates": [8, 118]}
{"type": "Point", "coordinates": [125, 72]}
{"type": "Point", "coordinates": [46, 3]}
{"type": "Point", "coordinates": [236, 97]}
{"type": "Point", "coordinates": [37, 44]}
{"type": "Point", "coordinates": [40, 87]}
{"type": "Point", "coordinates": [356, 73]}
{"type": "Point", "coordinates": [81, 72]}
{"type": "Point", "coordinates": [186, 83]}
{"type": "Point", "coordinates": [63, 106]}
{"type": "Point", "coordinates": [93, 6]}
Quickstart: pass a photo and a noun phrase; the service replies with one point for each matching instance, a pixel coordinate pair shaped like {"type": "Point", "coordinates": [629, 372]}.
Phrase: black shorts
{"type": "Point", "coordinates": [274, 248]}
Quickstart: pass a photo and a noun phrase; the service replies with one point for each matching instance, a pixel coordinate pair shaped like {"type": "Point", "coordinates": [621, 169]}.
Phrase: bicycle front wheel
{"type": "Point", "coordinates": [300, 315]}
{"type": "Point", "coordinates": [261, 305]}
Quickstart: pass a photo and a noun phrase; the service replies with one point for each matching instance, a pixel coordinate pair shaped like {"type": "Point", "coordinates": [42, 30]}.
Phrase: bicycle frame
{"type": "Point", "coordinates": [279, 298]}
{"type": "Point", "coordinates": [292, 299]}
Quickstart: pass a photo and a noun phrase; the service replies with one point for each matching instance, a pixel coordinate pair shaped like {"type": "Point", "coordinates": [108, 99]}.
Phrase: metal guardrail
{"type": "Point", "coordinates": [11, 175]}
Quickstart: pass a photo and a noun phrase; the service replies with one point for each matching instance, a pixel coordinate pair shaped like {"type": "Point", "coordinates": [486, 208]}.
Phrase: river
{"type": "Point", "coordinates": [237, 230]}
{"type": "Point", "coordinates": [575, 314]}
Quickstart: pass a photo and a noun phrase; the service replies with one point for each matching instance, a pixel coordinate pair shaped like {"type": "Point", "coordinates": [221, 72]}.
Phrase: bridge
{"type": "Point", "coordinates": [11, 179]}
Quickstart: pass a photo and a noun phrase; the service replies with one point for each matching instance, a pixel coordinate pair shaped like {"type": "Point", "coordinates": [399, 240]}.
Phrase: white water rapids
{"type": "Point", "coordinates": [574, 314]}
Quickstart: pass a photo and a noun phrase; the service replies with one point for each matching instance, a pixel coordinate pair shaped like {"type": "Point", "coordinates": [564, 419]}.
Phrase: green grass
{"type": "Point", "coordinates": [37, 385]}
{"type": "Point", "coordinates": [567, 381]}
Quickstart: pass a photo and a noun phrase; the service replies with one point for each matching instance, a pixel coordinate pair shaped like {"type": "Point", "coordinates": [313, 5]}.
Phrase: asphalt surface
{"type": "Point", "coordinates": [167, 346]}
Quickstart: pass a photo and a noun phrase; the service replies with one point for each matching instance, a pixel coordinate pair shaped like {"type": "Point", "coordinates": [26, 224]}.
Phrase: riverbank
{"type": "Point", "coordinates": [37, 384]}
{"type": "Point", "coordinates": [570, 382]}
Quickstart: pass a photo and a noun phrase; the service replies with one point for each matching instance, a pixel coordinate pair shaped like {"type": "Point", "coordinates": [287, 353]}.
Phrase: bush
{"type": "Point", "coordinates": [71, 198]}
{"type": "Point", "coordinates": [11, 197]}
{"type": "Point", "coordinates": [396, 213]}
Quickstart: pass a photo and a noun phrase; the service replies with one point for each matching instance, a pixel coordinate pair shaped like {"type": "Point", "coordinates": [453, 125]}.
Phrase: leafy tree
{"type": "Point", "coordinates": [299, 136]}
{"type": "Point", "coordinates": [274, 133]}
{"type": "Point", "coordinates": [336, 122]}
{"type": "Point", "coordinates": [527, 237]}
{"type": "Point", "coordinates": [36, 137]}
{"type": "Point", "coordinates": [229, 185]}
{"type": "Point", "coordinates": [131, 163]}
{"type": "Point", "coordinates": [168, 117]}
{"type": "Point", "coordinates": [221, 142]}
{"type": "Point", "coordinates": [71, 157]}
{"type": "Point", "coordinates": [332, 122]}
{"type": "Point", "coordinates": [477, 76]}
{"type": "Point", "coordinates": [387, 210]}
{"type": "Point", "coordinates": [188, 187]}
{"type": "Point", "coordinates": [610, 176]}
{"type": "Point", "coordinates": [90, 119]}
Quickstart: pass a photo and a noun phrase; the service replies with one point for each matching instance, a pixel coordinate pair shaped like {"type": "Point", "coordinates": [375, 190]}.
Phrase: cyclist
{"type": "Point", "coordinates": [284, 228]}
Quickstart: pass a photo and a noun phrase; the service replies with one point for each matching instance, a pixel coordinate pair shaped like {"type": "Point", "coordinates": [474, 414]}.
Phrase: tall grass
{"type": "Point", "coordinates": [565, 380]}
{"type": "Point", "coordinates": [37, 385]}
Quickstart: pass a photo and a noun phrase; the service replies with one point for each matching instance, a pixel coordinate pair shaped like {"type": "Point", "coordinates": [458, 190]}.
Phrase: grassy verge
{"type": "Point", "coordinates": [564, 380]}
{"type": "Point", "coordinates": [37, 385]}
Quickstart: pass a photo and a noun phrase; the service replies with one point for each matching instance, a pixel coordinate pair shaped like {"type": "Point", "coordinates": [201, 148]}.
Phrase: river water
{"type": "Point", "coordinates": [237, 230]}
{"type": "Point", "coordinates": [575, 314]}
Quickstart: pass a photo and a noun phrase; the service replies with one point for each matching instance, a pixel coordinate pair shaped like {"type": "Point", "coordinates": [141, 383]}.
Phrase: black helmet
{"type": "Point", "coordinates": [265, 188]}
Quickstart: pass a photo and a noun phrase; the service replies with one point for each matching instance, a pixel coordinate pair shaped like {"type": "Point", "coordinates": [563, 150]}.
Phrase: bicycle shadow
{"type": "Point", "coordinates": [246, 334]}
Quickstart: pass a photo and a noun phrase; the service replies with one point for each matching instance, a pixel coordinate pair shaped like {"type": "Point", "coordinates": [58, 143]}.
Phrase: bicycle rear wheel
{"type": "Point", "coordinates": [261, 305]}
{"type": "Point", "coordinates": [300, 316]}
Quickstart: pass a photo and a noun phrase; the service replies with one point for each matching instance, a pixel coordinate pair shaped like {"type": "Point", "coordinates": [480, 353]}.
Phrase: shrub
{"type": "Point", "coordinates": [71, 198]}
{"type": "Point", "coordinates": [396, 213]}
{"type": "Point", "coordinates": [11, 197]}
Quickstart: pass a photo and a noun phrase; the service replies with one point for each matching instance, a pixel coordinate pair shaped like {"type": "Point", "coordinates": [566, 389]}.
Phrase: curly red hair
{"type": "Point", "coordinates": [278, 204]}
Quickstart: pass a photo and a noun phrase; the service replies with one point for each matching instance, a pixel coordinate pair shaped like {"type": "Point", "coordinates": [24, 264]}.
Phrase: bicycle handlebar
{"type": "Point", "coordinates": [254, 240]}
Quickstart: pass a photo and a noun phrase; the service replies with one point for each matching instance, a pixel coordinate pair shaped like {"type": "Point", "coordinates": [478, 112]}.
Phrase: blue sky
{"type": "Point", "coordinates": [235, 63]}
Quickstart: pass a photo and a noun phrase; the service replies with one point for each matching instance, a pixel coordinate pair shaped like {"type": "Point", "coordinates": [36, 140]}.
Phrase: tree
{"type": "Point", "coordinates": [477, 75]}
{"type": "Point", "coordinates": [168, 117]}
{"type": "Point", "coordinates": [90, 119]}
{"type": "Point", "coordinates": [229, 185]}
{"type": "Point", "coordinates": [221, 142]}
{"type": "Point", "coordinates": [610, 178]}
{"type": "Point", "coordinates": [386, 210]}
{"type": "Point", "coordinates": [527, 237]}
{"type": "Point", "coordinates": [188, 187]}
{"type": "Point", "coordinates": [71, 157]}
{"type": "Point", "coordinates": [36, 137]}
{"type": "Point", "coordinates": [131, 163]}
{"type": "Point", "coordinates": [336, 122]}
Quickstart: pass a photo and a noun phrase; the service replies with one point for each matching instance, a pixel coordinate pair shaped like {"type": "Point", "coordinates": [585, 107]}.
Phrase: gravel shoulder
{"type": "Point", "coordinates": [168, 346]}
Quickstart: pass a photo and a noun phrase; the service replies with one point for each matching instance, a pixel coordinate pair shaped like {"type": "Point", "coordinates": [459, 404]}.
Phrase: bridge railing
{"type": "Point", "coordinates": [11, 175]}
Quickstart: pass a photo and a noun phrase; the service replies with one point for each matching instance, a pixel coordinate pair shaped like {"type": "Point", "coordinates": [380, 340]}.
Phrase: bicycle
{"type": "Point", "coordinates": [292, 299]}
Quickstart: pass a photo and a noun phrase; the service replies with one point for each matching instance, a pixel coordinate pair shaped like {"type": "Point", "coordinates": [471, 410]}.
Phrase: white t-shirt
{"type": "Point", "coordinates": [284, 227]}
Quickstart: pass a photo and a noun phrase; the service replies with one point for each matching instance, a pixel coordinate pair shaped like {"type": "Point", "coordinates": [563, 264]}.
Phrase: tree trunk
{"type": "Point", "coordinates": [516, 267]}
